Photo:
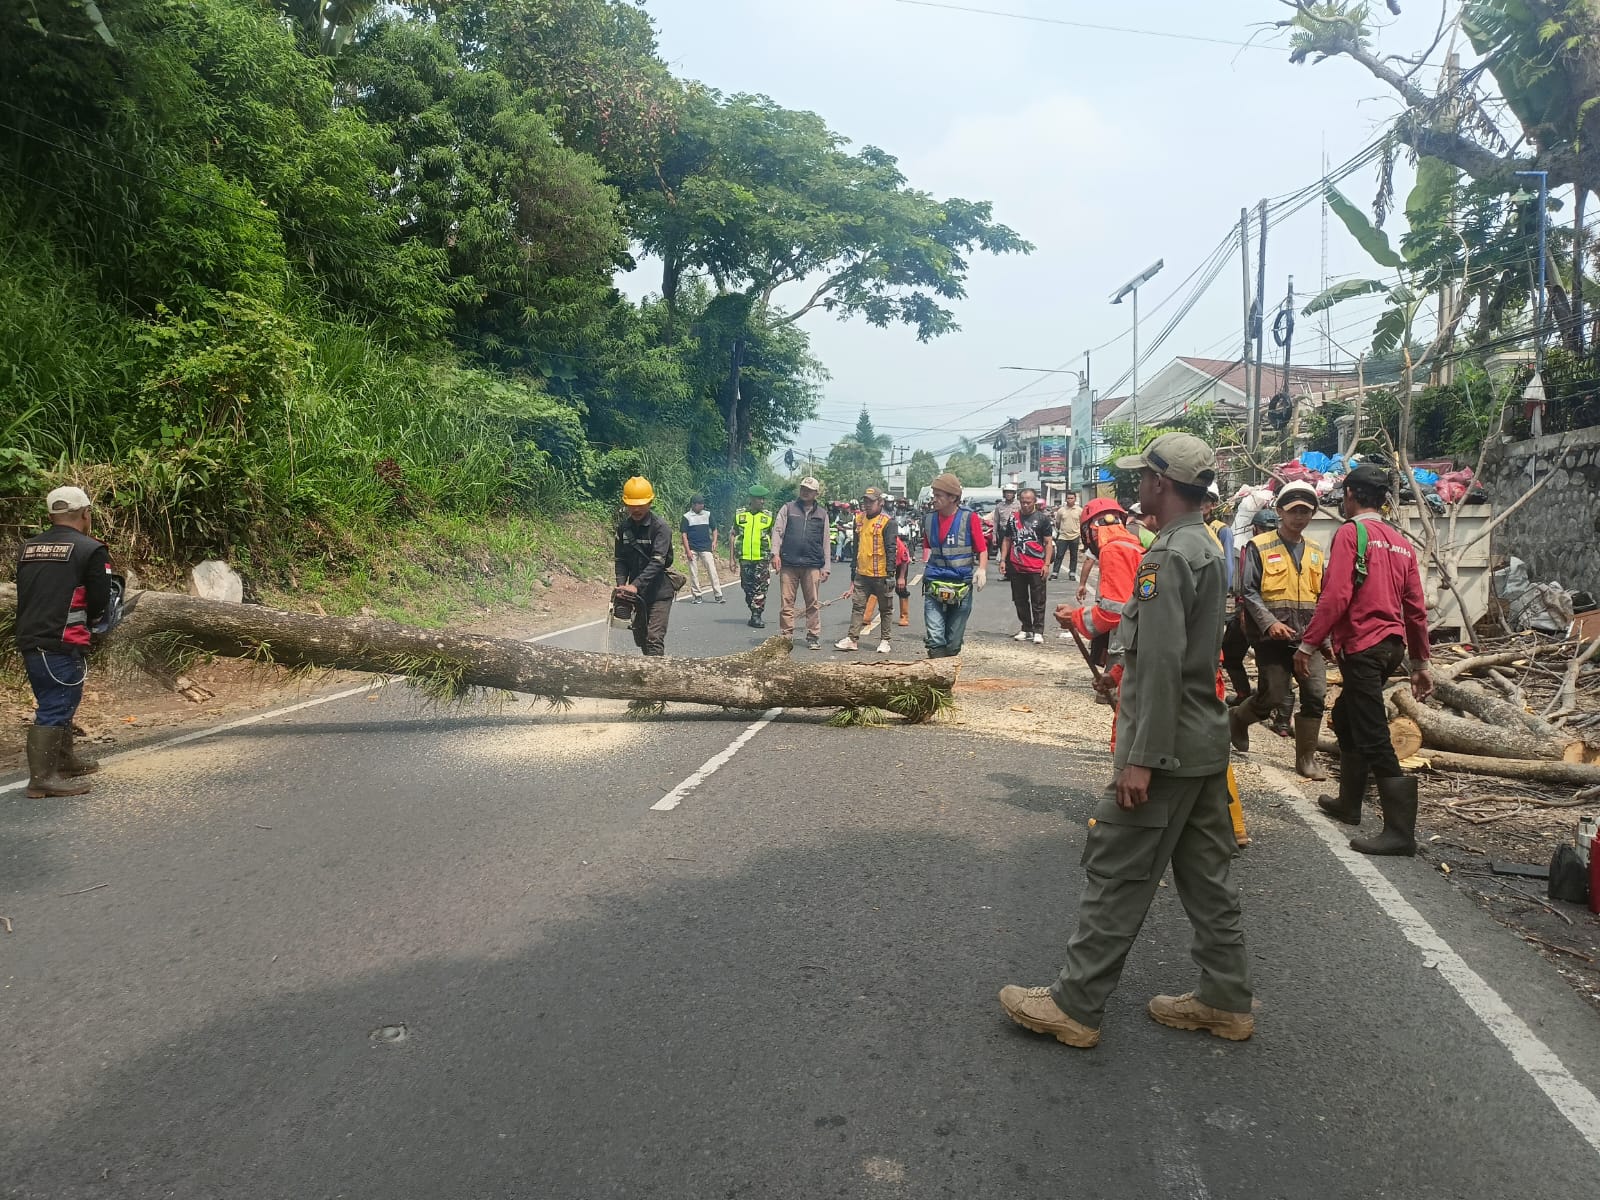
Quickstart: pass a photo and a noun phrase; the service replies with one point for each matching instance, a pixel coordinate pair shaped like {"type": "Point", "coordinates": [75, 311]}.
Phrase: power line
{"type": "Point", "coordinates": [1155, 33]}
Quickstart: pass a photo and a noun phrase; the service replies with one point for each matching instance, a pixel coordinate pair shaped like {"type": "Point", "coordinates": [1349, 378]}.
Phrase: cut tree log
{"type": "Point", "coordinates": [1494, 710]}
{"type": "Point", "coordinates": [1462, 735]}
{"type": "Point", "coordinates": [451, 662]}
{"type": "Point", "coordinates": [1404, 736]}
{"type": "Point", "coordinates": [1533, 770]}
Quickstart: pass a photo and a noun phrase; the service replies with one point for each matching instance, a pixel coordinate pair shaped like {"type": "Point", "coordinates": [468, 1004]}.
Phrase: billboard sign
{"type": "Point", "coordinates": [1053, 453]}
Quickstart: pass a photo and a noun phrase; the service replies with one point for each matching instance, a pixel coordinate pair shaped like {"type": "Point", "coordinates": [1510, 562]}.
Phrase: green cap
{"type": "Point", "coordinates": [757, 490]}
{"type": "Point", "coordinates": [1181, 457]}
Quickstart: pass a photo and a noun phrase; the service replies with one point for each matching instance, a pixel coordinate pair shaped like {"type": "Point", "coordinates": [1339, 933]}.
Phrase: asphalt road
{"type": "Point", "coordinates": [369, 950]}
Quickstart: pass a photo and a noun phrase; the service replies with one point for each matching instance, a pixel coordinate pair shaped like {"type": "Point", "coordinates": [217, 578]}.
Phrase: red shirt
{"type": "Point", "coordinates": [1388, 604]}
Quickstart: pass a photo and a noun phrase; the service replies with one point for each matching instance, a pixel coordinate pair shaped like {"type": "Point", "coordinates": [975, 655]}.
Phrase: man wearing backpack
{"type": "Point", "coordinates": [1373, 611]}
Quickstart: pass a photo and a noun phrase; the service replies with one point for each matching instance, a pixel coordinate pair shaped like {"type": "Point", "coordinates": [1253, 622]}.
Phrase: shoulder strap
{"type": "Point", "coordinates": [1361, 553]}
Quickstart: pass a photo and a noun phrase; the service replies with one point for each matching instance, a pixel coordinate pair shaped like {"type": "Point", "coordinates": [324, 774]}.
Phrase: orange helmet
{"type": "Point", "coordinates": [1097, 508]}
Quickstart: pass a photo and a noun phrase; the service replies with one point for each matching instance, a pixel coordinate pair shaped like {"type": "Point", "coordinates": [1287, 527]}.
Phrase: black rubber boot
{"type": "Point", "coordinates": [73, 763]}
{"type": "Point", "coordinates": [1306, 730]}
{"type": "Point", "coordinates": [1353, 771]}
{"type": "Point", "coordinates": [46, 746]}
{"type": "Point", "coordinates": [1239, 728]}
{"type": "Point", "coordinates": [1398, 795]}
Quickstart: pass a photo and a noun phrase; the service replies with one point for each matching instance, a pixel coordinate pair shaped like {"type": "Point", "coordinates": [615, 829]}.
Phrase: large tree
{"type": "Point", "coordinates": [759, 198]}
{"type": "Point", "coordinates": [920, 472]}
{"type": "Point", "coordinates": [969, 466]}
{"type": "Point", "coordinates": [1523, 107]}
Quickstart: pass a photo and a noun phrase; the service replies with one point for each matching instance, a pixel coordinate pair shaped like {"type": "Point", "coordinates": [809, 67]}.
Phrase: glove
{"type": "Point", "coordinates": [983, 578]}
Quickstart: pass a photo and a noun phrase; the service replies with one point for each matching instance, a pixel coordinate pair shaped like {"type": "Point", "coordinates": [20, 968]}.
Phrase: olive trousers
{"type": "Point", "coordinates": [1185, 822]}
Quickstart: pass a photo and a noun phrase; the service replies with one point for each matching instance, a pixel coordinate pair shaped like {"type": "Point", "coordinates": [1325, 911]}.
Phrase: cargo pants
{"type": "Point", "coordinates": [1185, 822]}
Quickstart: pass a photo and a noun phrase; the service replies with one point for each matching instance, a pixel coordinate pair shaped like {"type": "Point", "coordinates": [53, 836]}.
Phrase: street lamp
{"type": "Point", "coordinates": [1133, 285]}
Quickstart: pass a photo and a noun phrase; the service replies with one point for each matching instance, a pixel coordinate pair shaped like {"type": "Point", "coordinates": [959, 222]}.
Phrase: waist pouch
{"type": "Point", "coordinates": [946, 592]}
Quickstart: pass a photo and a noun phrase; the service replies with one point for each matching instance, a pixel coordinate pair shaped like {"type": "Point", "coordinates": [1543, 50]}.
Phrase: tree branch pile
{"type": "Point", "coordinates": [448, 664]}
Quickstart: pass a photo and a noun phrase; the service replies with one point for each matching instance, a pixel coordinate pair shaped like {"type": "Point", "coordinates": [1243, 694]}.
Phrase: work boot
{"type": "Point", "coordinates": [1186, 1012]}
{"type": "Point", "coordinates": [1306, 730]}
{"type": "Point", "coordinates": [755, 620]}
{"type": "Point", "coordinates": [1346, 809]}
{"type": "Point", "coordinates": [1398, 796]}
{"type": "Point", "coordinates": [47, 745]}
{"type": "Point", "coordinates": [905, 611]}
{"type": "Point", "coordinates": [1239, 728]}
{"type": "Point", "coordinates": [1035, 1008]}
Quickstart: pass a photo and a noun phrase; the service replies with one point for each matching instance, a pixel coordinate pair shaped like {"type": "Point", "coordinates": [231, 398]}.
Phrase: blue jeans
{"type": "Point", "coordinates": [945, 625]}
{"type": "Point", "coordinates": [57, 681]}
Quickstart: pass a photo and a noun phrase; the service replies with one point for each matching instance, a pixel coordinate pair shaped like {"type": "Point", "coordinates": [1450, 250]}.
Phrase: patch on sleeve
{"type": "Point", "coordinates": [1145, 587]}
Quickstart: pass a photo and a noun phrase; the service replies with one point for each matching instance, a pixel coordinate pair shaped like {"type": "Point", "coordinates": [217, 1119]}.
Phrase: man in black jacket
{"type": "Point", "coordinates": [643, 554]}
{"type": "Point", "coordinates": [63, 591]}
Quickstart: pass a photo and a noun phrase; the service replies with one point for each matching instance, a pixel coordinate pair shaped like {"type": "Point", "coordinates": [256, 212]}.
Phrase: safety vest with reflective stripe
{"type": "Point", "coordinates": [755, 534]}
{"type": "Point", "coordinates": [1289, 591]}
{"type": "Point", "coordinates": [1118, 556]}
{"type": "Point", "coordinates": [951, 560]}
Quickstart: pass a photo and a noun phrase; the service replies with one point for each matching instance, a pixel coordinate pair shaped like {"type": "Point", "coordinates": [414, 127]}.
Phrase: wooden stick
{"type": "Point", "coordinates": [81, 891]}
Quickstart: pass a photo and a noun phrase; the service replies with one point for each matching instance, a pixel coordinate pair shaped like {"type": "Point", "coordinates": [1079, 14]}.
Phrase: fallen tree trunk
{"type": "Point", "coordinates": [1441, 731]}
{"type": "Point", "coordinates": [1534, 770]}
{"type": "Point", "coordinates": [1494, 710]}
{"type": "Point", "coordinates": [451, 663]}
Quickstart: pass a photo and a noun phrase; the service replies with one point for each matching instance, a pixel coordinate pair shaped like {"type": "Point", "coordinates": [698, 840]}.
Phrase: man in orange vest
{"type": "Point", "coordinates": [1117, 551]}
{"type": "Point", "coordinates": [876, 539]}
{"type": "Point", "coordinates": [1280, 579]}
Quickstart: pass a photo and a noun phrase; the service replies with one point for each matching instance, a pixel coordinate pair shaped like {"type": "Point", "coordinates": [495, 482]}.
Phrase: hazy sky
{"type": "Point", "coordinates": [1106, 150]}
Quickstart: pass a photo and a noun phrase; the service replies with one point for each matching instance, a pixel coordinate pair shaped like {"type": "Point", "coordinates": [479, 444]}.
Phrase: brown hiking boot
{"type": "Point", "coordinates": [1239, 729]}
{"type": "Point", "coordinates": [46, 747]}
{"type": "Point", "coordinates": [1035, 1008]}
{"type": "Point", "coordinates": [1185, 1012]}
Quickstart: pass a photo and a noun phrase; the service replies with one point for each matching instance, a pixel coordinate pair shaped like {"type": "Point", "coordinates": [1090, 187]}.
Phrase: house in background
{"type": "Point", "coordinates": [1037, 450]}
{"type": "Point", "coordinates": [1186, 383]}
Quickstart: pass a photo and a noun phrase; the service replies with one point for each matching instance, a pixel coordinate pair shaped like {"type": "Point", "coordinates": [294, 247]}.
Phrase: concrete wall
{"type": "Point", "coordinates": [1557, 533]}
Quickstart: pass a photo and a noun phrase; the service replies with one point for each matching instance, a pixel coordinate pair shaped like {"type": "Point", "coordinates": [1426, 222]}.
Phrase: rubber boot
{"type": "Point", "coordinates": [73, 763]}
{"type": "Point", "coordinates": [905, 611]}
{"type": "Point", "coordinates": [1306, 730]}
{"type": "Point", "coordinates": [1346, 809]}
{"type": "Point", "coordinates": [1398, 795]}
{"type": "Point", "coordinates": [46, 746]}
{"type": "Point", "coordinates": [1239, 728]}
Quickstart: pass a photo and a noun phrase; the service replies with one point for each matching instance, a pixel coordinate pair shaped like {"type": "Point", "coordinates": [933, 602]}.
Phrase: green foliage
{"type": "Point", "coordinates": [282, 280]}
{"type": "Point", "coordinates": [920, 472]}
{"type": "Point", "coordinates": [969, 466]}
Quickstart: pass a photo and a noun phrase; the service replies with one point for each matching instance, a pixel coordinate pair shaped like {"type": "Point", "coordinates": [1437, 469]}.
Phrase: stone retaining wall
{"type": "Point", "coordinates": [1557, 533]}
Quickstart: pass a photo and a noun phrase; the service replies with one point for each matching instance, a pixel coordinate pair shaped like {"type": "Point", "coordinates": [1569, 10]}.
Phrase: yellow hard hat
{"type": "Point", "coordinates": [638, 491]}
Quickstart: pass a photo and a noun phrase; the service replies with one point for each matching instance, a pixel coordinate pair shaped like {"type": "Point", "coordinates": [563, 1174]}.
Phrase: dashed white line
{"type": "Point", "coordinates": [714, 764]}
{"type": "Point", "coordinates": [1575, 1102]}
{"type": "Point", "coordinates": [212, 731]}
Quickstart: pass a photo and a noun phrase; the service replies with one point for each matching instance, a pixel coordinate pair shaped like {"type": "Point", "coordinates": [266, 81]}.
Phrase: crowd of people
{"type": "Point", "coordinates": [1173, 602]}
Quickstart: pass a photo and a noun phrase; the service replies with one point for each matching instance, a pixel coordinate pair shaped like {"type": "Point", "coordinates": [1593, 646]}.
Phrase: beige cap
{"type": "Point", "coordinates": [1296, 492]}
{"type": "Point", "coordinates": [811, 483]}
{"type": "Point", "coordinates": [872, 493]}
{"type": "Point", "coordinates": [947, 482]}
{"type": "Point", "coordinates": [1181, 457]}
{"type": "Point", "coordinates": [66, 500]}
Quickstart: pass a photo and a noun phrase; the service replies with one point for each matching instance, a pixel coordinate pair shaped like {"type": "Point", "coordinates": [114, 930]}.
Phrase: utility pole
{"type": "Point", "coordinates": [1260, 312]}
{"type": "Point", "coordinates": [1244, 265]}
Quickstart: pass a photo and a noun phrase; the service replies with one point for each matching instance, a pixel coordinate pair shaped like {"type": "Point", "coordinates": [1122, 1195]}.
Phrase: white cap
{"type": "Point", "coordinates": [66, 500]}
{"type": "Point", "coordinates": [1211, 490]}
{"type": "Point", "coordinates": [811, 483]}
{"type": "Point", "coordinates": [1296, 491]}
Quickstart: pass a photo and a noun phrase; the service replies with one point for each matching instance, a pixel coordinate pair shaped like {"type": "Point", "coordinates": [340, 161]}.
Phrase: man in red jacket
{"type": "Point", "coordinates": [1373, 610]}
{"type": "Point", "coordinates": [1117, 553]}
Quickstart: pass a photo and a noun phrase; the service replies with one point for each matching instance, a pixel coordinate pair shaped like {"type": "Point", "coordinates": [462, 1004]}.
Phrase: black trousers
{"type": "Point", "coordinates": [1028, 594]}
{"type": "Point", "coordinates": [650, 623]}
{"type": "Point", "coordinates": [1359, 719]}
{"type": "Point", "coordinates": [1066, 547]}
{"type": "Point", "coordinates": [1235, 645]}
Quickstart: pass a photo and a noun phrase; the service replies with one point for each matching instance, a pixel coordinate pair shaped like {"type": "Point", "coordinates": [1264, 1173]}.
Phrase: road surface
{"type": "Point", "coordinates": [365, 949]}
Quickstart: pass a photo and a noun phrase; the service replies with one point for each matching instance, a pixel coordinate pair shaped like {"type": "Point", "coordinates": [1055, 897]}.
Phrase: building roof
{"type": "Point", "coordinates": [1061, 414]}
{"type": "Point", "coordinates": [1301, 379]}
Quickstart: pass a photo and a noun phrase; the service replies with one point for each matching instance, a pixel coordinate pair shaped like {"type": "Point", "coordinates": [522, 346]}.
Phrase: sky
{"type": "Point", "coordinates": [1107, 150]}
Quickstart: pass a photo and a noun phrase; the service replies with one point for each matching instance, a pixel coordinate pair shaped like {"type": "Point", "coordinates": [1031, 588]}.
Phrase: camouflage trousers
{"type": "Point", "coordinates": [755, 577]}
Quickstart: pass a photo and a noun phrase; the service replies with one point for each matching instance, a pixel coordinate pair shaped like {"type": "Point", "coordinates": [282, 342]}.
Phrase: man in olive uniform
{"type": "Point", "coordinates": [750, 552]}
{"type": "Point", "coordinates": [1170, 798]}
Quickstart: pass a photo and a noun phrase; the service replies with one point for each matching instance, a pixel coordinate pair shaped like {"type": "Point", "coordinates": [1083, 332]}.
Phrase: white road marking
{"type": "Point", "coordinates": [185, 738]}
{"type": "Point", "coordinates": [714, 764]}
{"type": "Point", "coordinates": [1576, 1102]}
